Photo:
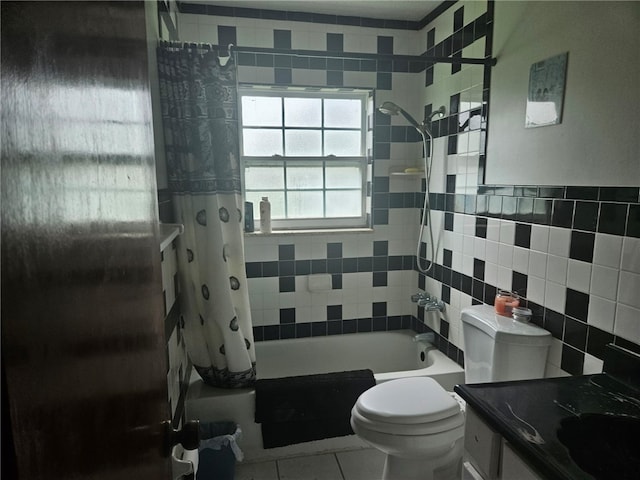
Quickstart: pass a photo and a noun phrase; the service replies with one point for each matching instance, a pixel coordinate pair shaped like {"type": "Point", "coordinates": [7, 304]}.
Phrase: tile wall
{"type": "Point", "coordinates": [571, 252]}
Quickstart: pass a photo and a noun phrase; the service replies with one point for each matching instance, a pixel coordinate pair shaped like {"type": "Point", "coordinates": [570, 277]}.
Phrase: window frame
{"type": "Point", "coordinates": [361, 161]}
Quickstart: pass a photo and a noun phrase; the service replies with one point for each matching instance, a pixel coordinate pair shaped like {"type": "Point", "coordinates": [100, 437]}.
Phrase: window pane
{"type": "Point", "coordinates": [304, 177]}
{"type": "Point", "coordinates": [303, 143]}
{"type": "Point", "coordinates": [303, 112]}
{"type": "Point", "coordinates": [344, 177]}
{"type": "Point", "coordinates": [304, 204]}
{"type": "Point", "coordinates": [342, 143]}
{"type": "Point", "coordinates": [261, 143]}
{"type": "Point", "coordinates": [256, 178]}
{"type": "Point", "coordinates": [262, 111]}
{"type": "Point", "coordinates": [276, 199]}
{"type": "Point", "coordinates": [342, 113]}
{"type": "Point", "coordinates": [344, 203]}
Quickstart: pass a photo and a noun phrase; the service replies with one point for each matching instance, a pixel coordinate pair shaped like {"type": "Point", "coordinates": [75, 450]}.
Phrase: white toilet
{"type": "Point", "coordinates": [417, 424]}
{"type": "Point", "coordinates": [498, 348]}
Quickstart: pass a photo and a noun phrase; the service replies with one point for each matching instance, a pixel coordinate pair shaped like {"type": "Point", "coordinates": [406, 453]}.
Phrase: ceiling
{"type": "Point", "coordinates": [413, 10]}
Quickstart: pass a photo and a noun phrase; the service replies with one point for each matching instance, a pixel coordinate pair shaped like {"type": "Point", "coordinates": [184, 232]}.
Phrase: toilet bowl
{"type": "Point", "coordinates": [417, 424]}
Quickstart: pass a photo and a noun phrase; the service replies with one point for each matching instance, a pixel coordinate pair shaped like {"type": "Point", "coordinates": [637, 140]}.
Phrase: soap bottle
{"type": "Point", "coordinates": [265, 215]}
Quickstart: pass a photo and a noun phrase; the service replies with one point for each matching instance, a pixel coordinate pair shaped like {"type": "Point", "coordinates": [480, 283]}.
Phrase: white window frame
{"type": "Point", "coordinates": [359, 161]}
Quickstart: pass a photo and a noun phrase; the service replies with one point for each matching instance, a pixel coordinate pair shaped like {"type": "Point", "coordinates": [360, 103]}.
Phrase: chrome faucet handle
{"type": "Point", "coordinates": [435, 305]}
{"type": "Point", "coordinates": [420, 296]}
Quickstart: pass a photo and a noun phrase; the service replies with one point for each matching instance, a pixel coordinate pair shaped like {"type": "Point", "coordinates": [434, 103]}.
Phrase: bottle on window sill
{"type": "Point", "coordinates": [265, 215]}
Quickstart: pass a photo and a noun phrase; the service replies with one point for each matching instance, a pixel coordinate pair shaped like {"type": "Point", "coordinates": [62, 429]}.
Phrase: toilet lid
{"type": "Point", "coordinates": [407, 401]}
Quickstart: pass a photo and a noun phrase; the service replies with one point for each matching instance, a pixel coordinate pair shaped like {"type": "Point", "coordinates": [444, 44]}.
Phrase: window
{"type": "Point", "coordinates": [306, 152]}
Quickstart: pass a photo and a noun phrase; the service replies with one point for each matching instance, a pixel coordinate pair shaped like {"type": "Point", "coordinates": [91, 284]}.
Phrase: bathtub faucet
{"type": "Point", "coordinates": [430, 304]}
{"type": "Point", "coordinates": [428, 337]}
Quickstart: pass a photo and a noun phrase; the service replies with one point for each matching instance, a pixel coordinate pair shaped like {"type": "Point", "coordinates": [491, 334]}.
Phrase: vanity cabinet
{"type": "Point", "coordinates": [490, 455]}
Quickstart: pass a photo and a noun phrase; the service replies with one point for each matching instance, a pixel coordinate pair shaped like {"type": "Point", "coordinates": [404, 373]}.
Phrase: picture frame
{"type": "Point", "coordinates": [545, 97]}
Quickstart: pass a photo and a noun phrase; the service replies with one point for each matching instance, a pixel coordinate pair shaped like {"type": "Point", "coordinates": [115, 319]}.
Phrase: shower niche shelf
{"type": "Point", "coordinates": [407, 172]}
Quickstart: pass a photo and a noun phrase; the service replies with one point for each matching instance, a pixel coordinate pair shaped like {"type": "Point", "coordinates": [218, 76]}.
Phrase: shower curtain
{"type": "Point", "coordinates": [200, 122]}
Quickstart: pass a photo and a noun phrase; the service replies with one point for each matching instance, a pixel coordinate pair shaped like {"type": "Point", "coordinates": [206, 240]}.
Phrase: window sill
{"type": "Point", "coordinates": [318, 231]}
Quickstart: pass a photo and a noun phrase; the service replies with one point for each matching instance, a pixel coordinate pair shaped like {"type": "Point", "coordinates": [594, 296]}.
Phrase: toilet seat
{"type": "Point", "coordinates": [431, 428]}
{"type": "Point", "coordinates": [407, 401]}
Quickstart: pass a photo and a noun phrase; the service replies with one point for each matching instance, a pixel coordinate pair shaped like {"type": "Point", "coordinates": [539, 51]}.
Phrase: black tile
{"type": "Point", "coordinates": [303, 330]}
{"type": "Point", "coordinates": [385, 45]}
{"type": "Point", "coordinates": [633, 221]}
{"type": "Point", "coordinates": [575, 333]}
{"type": "Point", "coordinates": [336, 281]}
{"type": "Point", "coordinates": [334, 265]}
{"type": "Point", "coordinates": [572, 360]}
{"type": "Point", "coordinates": [287, 315]}
{"type": "Point", "coordinates": [444, 328]}
{"type": "Point", "coordinates": [385, 66]}
{"type": "Point", "coordinates": [286, 252]}
{"type": "Point", "coordinates": [365, 264]}
{"type": "Point", "coordinates": [395, 262]}
{"type": "Point", "coordinates": [523, 235]}
{"type": "Point", "coordinates": [445, 294]}
{"type": "Point", "coordinates": [380, 248]}
{"type": "Point", "coordinates": [258, 334]}
{"type": "Point", "coordinates": [379, 309]}
{"type": "Point", "coordinates": [612, 218]}
{"type": "Point", "coordinates": [451, 184]}
{"type": "Point", "coordinates": [270, 269]}
{"type": "Point", "coordinates": [303, 267]}
{"type": "Point", "coordinates": [394, 322]}
{"type": "Point", "coordinates": [431, 38]}
{"type": "Point", "coordinates": [349, 265]}
{"type": "Point", "coordinates": [351, 65]}
{"type": "Point", "coordinates": [582, 193]}
{"type": "Point", "coordinates": [398, 133]}
{"type": "Point", "coordinates": [448, 221]}
{"type": "Point", "coordinates": [247, 59]}
{"type": "Point", "coordinates": [466, 284]}
{"type": "Point", "coordinates": [380, 279]}
{"type": "Point", "coordinates": [577, 304]}
{"type": "Point", "coordinates": [562, 215]}
{"type": "Point", "coordinates": [489, 294]}
{"type": "Point", "coordinates": [335, 64]}
{"type": "Point", "coordinates": [452, 145]}
{"type": "Point", "coordinates": [454, 104]}
{"type": "Point", "coordinates": [282, 39]}
{"type": "Point", "coordinates": [282, 76]}
{"type": "Point", "coordinates": [384, 81]}
{"type": "Point", "coordinates": [287, 331]}
{"type": "Point", "coordinates": [428, 76]}
{"type": "Point", "coordinates": [585, 216]}
{"type": "Point", "coordinates": [335, 79]}
{"type": "Point", "coordinates": [284, 61]}
{"type": "Point", "coordinates": [226, 35]}
{"type": "Point", "coordinates": [300, 62]}
{"type": "Point", "coordinates": [334, 312]}
{"type": "Point", "coordinates": [287, 284]}
{"type": "Point", "coordinates": [349, 326]}
{"type": "Point", "coordinates": [380, 184]}
{"type": "Point", "coordinates": [334, 327]}
{"type": "Point", "coordinates": [619, 194]}
{"type": "Point", "coordinates": [318, 329]}
{"type": "Point", "coordinates": [478, 269]}
{"type": "Point", "coordinates": [380, 264]}
{"type": "Point", "coordinates": [364, 325]}
{"type": "Point", "coordinates": [287, 268]}
{"type": "Point", "coordinates": [335, 42]}
{"type": "Point", "coordinates": [334, 250]}
{"type": "Point", "coordinates": [582, 246]}
{"type": "Point", "coordinates": [597, 340]}
{"type": "Point", "coordinates": [554, 323]}
{"type": "Point", "coordinates": [447, 257]}
{"type": "Point", "coordinates": [519, 283]}
{"type": "Point", "coordinates": [253, 269]}
{"type": "Point", "coordinates": [477, 289]}
{"type": "Point", "coordinates": [271, 332]}
{"type": "Point", "coordinates": [317, 63]}
{"type": "Point", "coordinates": [264, 60]}
{"type": "Point", "coordinates": [381, 216]}
{"type": "Point", "coordinates": [379, 324]}
{"type": "Point", "coordinates": [319, 266]}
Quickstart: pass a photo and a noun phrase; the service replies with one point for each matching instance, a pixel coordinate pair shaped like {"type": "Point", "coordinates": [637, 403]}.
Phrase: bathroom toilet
{"type": "Point", "coordinates": [417, 424]}
{"type": "Point", "coordinates": [498, 348]}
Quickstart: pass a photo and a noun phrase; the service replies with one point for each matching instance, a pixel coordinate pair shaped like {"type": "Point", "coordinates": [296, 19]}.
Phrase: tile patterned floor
{"type": "Point", "coordinates": [364, 464]}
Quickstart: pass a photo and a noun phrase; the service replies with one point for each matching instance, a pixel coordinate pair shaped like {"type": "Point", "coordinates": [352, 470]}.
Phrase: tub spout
{"type": "Point", "coordinates": [425, 337]}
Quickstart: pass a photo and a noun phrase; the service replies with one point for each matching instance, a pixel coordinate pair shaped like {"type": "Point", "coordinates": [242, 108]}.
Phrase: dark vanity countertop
{"type": "Point", "coordinates": [527, 413]}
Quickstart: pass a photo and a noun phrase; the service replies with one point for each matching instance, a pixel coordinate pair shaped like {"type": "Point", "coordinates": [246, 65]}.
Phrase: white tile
{"type": "Point", "coordinates": [521, 259]}
{"type": "Point", "coordinates": [314, 467]}
{"type": "Point", "coordinates": [557, 269]}
{"type": "Point", "coordinates": [628, 323]}
{"type": "Point", "coordinates": [256, 471]}
{"type": "Point", "coordinates": [559, 241]}
{"type": "Point", "coordinates": [507, 232]}
{"type": "Point", "coordinates": [628, 288]}
{"type": "Point", "coordinates": [491, 251]}
{"type": "Point", "coordinates": [538, 264]}
{"type": "Point", "coordinates": [607, 250]}
{"type": "Point", "coordinates": [630, 255]}
{"type": "Point", "coordinates": [467, 265]}
{"type": "Point", "coordinates": [504, 278]}
{"type": "Point", "coordinates": [592, 365]}
{"type": "Point", "coordinates": [362, 464]}
{"type": "Point", "coordinates": [505, 255]}
{"type": "Point", "coordinates": [604, 282]}
{"type": "Point", "coordinates": [490, 273]}
{"type": "Point", "coordinates": [539, 238]}
{"type": "Point", "coordinates": [479, 248]}
{"type": "Point", "coordinates": [555, 296]}
{"type": "Point", "coordinates": [602, 313]}
{"type": "Point", "coordinates": [579, 275]}
{"type": "Point", "coordinates": [535, 289]}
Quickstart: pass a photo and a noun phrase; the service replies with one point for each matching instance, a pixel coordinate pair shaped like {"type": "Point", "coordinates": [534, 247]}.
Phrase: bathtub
{"type": "Point", "coordinates": [389, 355]}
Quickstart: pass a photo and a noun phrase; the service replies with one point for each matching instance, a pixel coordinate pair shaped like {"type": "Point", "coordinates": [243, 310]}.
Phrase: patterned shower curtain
{"type": "Point", "coordinates": [200, 121]}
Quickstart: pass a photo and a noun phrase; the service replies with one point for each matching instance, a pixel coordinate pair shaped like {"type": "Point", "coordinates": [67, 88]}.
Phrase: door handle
{"type": "Point", "coordinates": [188, 436]}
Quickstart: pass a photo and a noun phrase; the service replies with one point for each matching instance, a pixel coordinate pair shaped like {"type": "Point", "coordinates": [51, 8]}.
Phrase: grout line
{"type": "Point", "coordinates": [339, 466]}
{"type": "Point", "coordinates": [277, 469]}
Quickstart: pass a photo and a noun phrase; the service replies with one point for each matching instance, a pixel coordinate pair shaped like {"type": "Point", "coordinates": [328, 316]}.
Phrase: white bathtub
{"type": "Point", "coordinates": [389, 355]}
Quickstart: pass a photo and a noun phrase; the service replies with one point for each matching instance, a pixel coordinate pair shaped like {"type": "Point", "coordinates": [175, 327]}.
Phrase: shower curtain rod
{"type": "Point", "coordinates": [348, 55]}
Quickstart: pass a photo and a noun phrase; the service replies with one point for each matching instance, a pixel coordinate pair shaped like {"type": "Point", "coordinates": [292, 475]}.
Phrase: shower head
{"type": "Point", "coordinates": [439, 112]}
{"type": "Point", "coordinates": [390, 108]}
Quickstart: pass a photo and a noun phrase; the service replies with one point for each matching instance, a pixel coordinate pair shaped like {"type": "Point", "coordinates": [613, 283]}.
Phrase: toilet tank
{"type": "Point", "coordinates": [498, 348]}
